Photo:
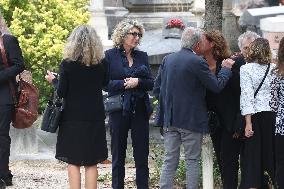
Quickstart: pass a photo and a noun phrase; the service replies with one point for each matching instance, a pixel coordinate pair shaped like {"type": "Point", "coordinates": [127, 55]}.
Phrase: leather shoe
{"type": "Point", "coordinates": [2, 184]}
{"type": "Point", "coordinates": [8, 179]}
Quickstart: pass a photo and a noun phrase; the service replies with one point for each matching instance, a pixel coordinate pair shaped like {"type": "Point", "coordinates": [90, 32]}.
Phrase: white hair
{"type": "Point", "coordinates": [248, 35]}
{"type": "Point", "coordinates": [190, 37]}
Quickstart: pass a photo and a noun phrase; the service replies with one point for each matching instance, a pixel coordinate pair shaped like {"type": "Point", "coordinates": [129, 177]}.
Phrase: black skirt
{"type": "Point", "coordinates": [258, 152]}
{"type": "Point", "coordinates": [82, 143]}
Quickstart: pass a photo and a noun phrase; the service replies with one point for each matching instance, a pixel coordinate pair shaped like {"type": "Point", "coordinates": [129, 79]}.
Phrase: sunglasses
{"type": "Point", "coordinates": [135, 34]}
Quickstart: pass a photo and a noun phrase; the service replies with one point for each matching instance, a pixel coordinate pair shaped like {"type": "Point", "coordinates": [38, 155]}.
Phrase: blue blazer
{"type": "Point", "coordinates": [119, 70]}
{"type": "Point", "coordinates": [184, 79]}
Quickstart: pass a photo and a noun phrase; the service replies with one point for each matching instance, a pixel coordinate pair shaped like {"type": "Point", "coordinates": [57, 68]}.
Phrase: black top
{"type": "Point", "coordinates": [16, 66]}
{"type": "Point", "coordinates": [227, 103]}
{"type": "Point", "coordinates": [81, 87]}
{"type": "Point", "coordinates": [119, 70]}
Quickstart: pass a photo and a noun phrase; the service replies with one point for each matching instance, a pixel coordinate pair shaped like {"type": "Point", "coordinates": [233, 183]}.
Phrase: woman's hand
{"type": "Point", "coordinates": [49, 76]}
{"type": "Point", "coordinates": [130, 83]}
{"type": "Point", "coordinates": [248, 130]}
{"type": "Point", "coordinates": [228, 63]}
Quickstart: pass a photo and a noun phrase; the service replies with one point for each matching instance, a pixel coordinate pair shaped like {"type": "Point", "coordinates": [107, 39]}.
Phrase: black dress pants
{"type": "Point", "coordinates": [279, 156]}
{"type": "Point", "coordinates": [6, 112]}
{"type": "Point", "coordinates": [227, 150]}
{"type": "Point", "coordinates": [138, 123]}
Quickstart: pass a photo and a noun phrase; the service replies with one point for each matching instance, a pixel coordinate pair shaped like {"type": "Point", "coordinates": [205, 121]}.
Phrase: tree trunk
{"type": "Point", "coordinates": [213, 15]}
{"type": "Point", "coordinates": [213, 20]}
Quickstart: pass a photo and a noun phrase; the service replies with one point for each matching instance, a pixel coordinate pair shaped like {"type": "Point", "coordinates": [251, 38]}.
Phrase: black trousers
{"type": "Point", "coordinates": [227, 151]}
{"type": "Point", "coordinates": [259, 152]}
{"type": "Point", "coordinates": [138, 123]}
{"type": "Point", "coordinates": [6, 112]}
{"type": "Point", "coordinates": [279, 156]}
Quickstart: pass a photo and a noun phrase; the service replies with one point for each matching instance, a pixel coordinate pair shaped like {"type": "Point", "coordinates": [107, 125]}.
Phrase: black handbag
{"type": "Point", "coordinates": [52, 114]}
{"type": "Point", "coordinates": [213, 122]}
{"type": "Point", "coordinates": [113, 103]}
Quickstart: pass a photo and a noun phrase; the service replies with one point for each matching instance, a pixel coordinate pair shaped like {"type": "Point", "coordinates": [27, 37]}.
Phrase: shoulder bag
{"type": "Point", "coordinates": [113, 103]}
{"type": "Point", "coordinates": [52, 114]}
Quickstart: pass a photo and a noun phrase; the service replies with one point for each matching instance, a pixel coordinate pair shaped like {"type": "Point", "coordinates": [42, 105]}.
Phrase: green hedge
{"type": "Point", "coordinates": [42, 27]}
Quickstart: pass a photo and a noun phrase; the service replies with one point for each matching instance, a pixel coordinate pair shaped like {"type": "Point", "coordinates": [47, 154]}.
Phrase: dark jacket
{"type": "Point", "coordinates": [119, 70]}
{"type": "Point", "coordinates": [227, 103]}
{"type": "Point", "coordinates": [16, 66]}
{"type": "Point", "coordinates": [184, 79]}
{"type": "Point", "coordinates": [81, 87]}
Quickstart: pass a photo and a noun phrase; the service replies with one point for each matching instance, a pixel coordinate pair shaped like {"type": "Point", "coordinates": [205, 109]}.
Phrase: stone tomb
{"type": "Point", "coordinates": [273, 29]}
{"type": "Point", "coordinates": [251, 17]}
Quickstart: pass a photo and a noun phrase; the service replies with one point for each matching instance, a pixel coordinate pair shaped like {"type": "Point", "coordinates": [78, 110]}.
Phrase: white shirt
{"type": "Point", "coordinates": [251, 74]}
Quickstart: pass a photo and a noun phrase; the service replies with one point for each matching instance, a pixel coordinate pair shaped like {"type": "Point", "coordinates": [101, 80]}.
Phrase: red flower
{"type": "Point", "coordinates": [175, 23]}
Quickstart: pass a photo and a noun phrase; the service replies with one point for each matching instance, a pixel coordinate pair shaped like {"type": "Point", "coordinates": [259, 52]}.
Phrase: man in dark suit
{"type": "Point", "coordinates": [8, 75]}
{"type": "Point", "coordinates": [184, 79]}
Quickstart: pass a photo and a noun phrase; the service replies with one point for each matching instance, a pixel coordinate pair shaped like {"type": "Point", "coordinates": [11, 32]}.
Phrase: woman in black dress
{"type": "Point", "coordinates": [225, 106]}
{"type": "Point", "coordinates": [81, 138]}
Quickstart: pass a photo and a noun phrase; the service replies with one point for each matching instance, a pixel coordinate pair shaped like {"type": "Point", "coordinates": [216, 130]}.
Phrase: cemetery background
{"type": "Point", "coordinates": [33, 150]}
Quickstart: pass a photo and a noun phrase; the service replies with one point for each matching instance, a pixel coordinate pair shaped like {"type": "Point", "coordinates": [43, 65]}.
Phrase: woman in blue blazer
{"type": "Point", "coordinates": [130, 76]}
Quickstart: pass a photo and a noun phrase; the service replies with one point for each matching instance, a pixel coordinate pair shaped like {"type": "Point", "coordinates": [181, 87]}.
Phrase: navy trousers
{"type": "Point", "coordinates": [6, 112]}
{"type": "Point", "coordinates": [138, 123]}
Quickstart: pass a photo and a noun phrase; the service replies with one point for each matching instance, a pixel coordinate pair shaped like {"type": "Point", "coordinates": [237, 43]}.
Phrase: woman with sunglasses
{"type": "Point", "coordinates": [130, 77]}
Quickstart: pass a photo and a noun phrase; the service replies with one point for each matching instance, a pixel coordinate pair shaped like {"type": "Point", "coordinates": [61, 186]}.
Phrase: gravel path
{"type": "Point", "coordinates": [51, 174]}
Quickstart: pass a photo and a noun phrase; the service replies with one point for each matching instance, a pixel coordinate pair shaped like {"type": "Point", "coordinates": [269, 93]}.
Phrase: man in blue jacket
{"type": "Point", "coordinates": [184, 79]}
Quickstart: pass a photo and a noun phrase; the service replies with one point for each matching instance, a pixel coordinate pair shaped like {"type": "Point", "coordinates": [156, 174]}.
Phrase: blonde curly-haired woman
{"type": "Point", "coordinates": [130, 76]}
{"type": "Point", "coordinates": [81, 138]}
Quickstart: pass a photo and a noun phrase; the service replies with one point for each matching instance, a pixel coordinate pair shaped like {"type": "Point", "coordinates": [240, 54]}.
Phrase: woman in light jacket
{"type": "Point", "coordinates": [258, 154]}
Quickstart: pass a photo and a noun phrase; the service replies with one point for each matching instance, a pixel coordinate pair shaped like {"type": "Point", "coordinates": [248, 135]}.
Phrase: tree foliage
{"type": "Point", "coordinates": [42, 28]}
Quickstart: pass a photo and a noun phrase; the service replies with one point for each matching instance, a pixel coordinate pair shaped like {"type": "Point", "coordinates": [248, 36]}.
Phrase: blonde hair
{"type": "Point", "coordinates": [121, 30]}
{"type": "Point", "coordinates": [84, 45]}
{"type": "Point", "coordinates": [259, 52]}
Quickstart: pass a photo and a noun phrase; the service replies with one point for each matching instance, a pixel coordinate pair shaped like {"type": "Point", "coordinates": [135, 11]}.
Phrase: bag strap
{"type": "Point", "coordinates": [5, 63]}
{"type": "Point", "coordinates": [259, 86]}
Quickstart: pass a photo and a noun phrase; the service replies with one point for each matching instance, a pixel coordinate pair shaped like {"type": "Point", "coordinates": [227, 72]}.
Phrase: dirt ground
{"type": "Point", "coordinates": [52, 174]}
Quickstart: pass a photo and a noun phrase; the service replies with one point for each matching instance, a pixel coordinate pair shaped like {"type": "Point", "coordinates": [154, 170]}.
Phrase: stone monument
{"type": "Point", "coordinates": [152, 12]}
{"type": "Point", "coordinates": [273, 29]}
{"type": "Point", "coordinates": [231, 29]}
{"type": "Point", "coordinates": [99, 21]}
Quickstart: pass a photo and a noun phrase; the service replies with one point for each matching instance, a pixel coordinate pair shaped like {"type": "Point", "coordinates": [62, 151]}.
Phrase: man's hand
{"type": "Point", "coordinates": [228, 63]}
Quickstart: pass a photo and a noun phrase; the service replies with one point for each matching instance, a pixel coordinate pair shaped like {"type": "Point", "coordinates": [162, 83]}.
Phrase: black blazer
{"type": "Point", "coordinates": [16, 65]}
{"type": "Point", "coordinates": [81, 87]}
{"type": "Point", "coordinates": [115, 57]}
{"type": "Point", "coordinates": [184, 79]}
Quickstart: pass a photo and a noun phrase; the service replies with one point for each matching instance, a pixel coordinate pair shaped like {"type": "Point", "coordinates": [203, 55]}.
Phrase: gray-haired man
{"type": "Point", "coordinates": [184, 79]}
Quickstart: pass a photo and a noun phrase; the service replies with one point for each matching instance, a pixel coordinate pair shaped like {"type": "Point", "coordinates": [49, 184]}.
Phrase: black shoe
{"type": "Point", "coordinates": [8, 179]}
{"type": "Point", "coordinates": [2, 184]}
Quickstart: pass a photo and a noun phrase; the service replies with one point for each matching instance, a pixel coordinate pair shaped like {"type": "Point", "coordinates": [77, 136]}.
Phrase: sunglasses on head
{"type": "Point", "coordinates": [135, 34]}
